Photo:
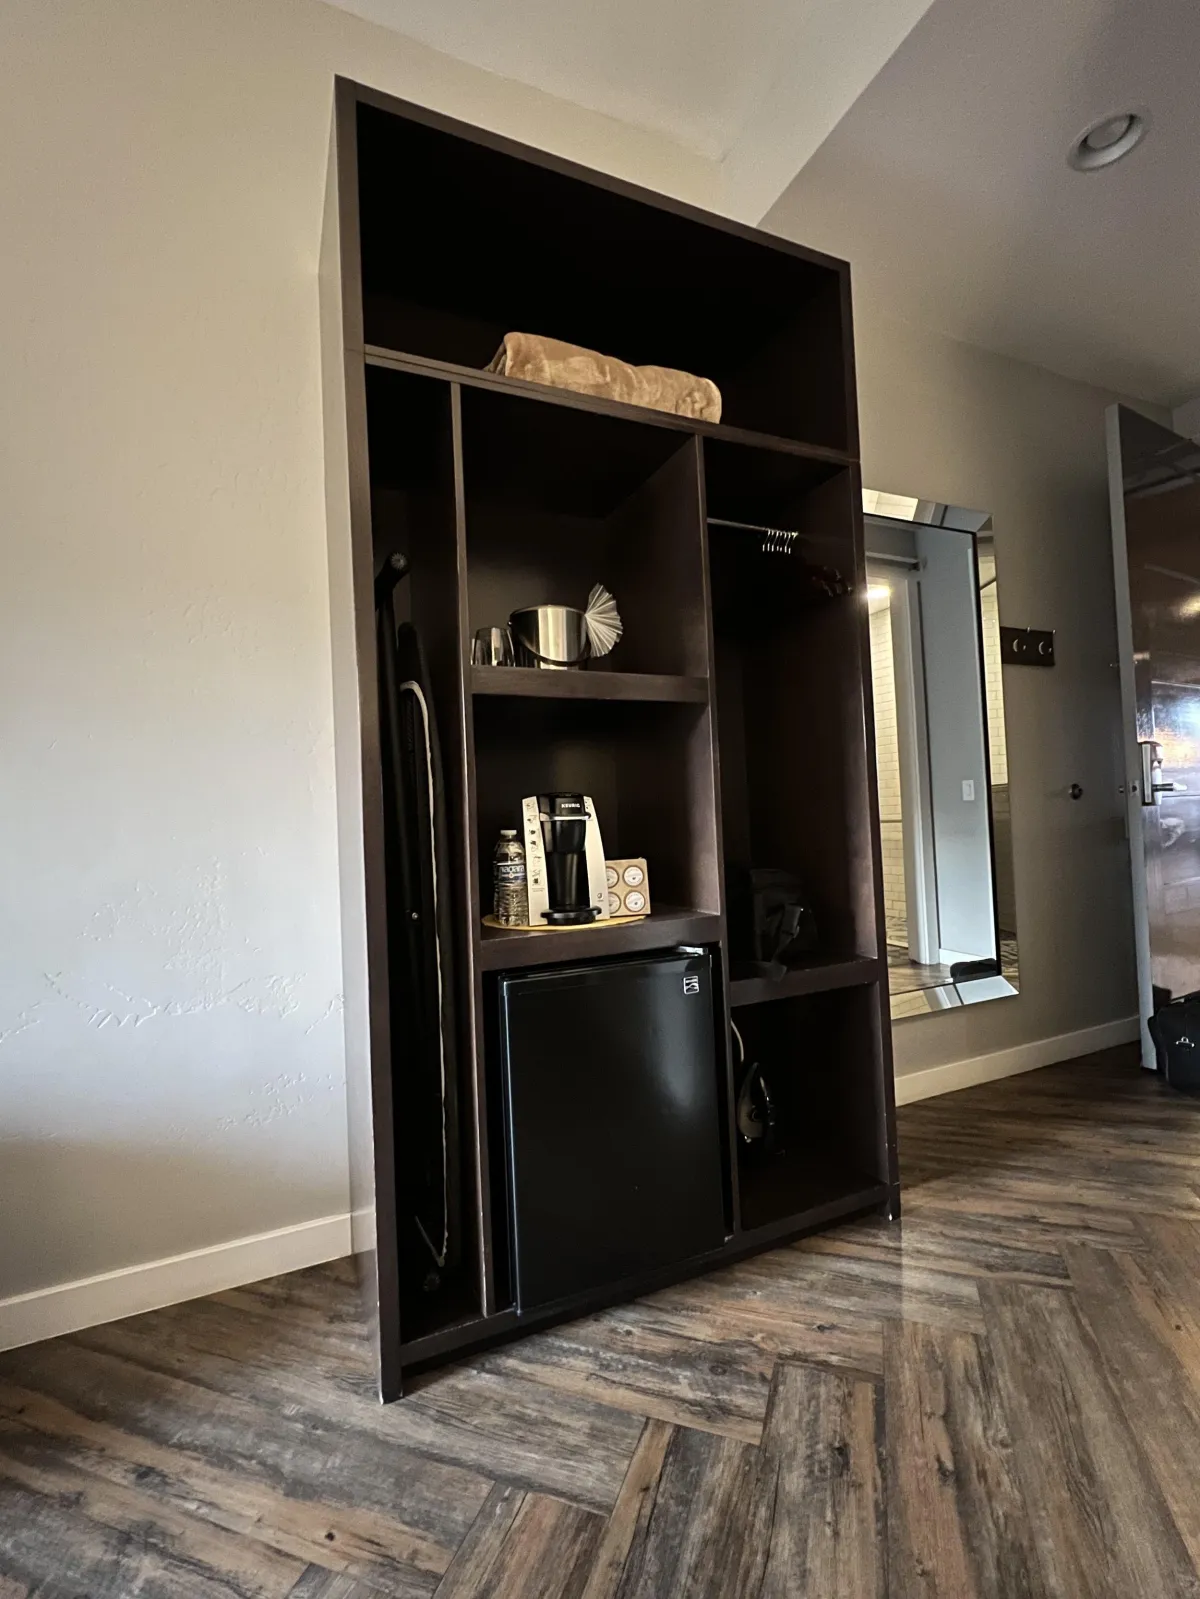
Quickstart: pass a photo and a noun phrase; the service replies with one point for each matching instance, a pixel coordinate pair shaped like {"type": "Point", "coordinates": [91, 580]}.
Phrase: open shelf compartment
{"type": "Point", "coordinates": [757, 484]}
{"type": "Point", "coordinates": [820, 1060]}
{"type": "Point", "coordinates": [790, 687]}
{"type": "Point", "coordinates": [559, 499]}
{"type": "Point", "coordinates": [767, 320]}
{"type": "Point", "coordinates": [648, 769]}
{"type": "Point", "coordinates": [410, 441]}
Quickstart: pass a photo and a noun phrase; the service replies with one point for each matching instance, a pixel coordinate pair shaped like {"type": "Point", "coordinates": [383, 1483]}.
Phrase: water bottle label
{"type": "Point", "coordinates": [511, 873]}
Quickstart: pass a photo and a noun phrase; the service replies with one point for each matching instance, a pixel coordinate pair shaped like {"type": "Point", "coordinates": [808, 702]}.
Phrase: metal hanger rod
{"type": "Point", "coordinates": [747, 527]}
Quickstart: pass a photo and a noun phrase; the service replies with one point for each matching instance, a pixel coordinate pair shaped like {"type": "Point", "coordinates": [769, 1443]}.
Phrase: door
{"type": "Point", "coordinates": [614, 1131]}
{"type": "Point", "coordinates": [1154, 488]}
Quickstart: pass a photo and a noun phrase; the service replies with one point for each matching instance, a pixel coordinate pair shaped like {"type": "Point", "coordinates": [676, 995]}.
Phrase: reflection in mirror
{"type": "Point", "coordinates": [941, 754]}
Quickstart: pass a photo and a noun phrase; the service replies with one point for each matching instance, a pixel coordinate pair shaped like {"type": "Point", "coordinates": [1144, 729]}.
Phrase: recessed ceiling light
{"type": "Point", "coordinates": [1108, 139]}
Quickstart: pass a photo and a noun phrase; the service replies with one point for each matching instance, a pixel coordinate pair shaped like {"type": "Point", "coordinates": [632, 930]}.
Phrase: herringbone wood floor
{"type": "Point", "coordinates": [999, 1396]}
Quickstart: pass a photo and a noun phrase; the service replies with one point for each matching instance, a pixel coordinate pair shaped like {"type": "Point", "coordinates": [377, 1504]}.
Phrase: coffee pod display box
{"type": "Point", "coordinates": [628, 887]}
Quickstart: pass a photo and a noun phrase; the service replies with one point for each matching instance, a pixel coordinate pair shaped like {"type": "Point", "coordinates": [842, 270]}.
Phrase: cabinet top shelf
{"type": "Point", "coordinates": [474, 377]}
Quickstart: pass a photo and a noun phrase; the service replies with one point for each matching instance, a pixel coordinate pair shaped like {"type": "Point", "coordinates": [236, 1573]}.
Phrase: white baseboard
{"type": "Point", "coordinates": [67, 1307]}
{"type": "Point", "coordinates": [49, 1312]}
{"type": "Point", "coordinates": [935, 1080]}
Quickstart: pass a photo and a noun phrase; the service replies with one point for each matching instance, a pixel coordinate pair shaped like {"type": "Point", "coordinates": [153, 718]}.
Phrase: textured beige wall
{"type": "Point", "coordinates": [949, 422]}
{"type": "Point", "coordinates": [171, 1061]}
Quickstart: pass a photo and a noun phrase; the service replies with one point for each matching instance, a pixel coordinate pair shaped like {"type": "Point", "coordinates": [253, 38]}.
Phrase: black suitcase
{"type": "Point", "coordinates": [1175, 1029]}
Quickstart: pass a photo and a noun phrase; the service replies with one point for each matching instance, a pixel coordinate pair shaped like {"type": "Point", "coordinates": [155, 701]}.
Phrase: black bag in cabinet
{"type": "Point", "coordinates": [771, 924]}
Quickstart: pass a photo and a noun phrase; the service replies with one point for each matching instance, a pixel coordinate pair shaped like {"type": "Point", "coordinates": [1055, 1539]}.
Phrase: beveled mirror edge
{"type": "Point", "coordinates": [907, 1002]}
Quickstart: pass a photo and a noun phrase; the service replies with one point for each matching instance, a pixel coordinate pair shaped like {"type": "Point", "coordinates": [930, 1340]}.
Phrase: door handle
{"type": "Point", "coordinates": [1148, 750]}
{"type": "Point", "coordinates": [1151, 759]}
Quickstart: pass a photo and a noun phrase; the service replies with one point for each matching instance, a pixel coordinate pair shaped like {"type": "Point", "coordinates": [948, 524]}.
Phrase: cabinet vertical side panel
{"type": "Point", "coordinates": [357, 754]}
{"type": "Point", "coordinates": [882, 1132]}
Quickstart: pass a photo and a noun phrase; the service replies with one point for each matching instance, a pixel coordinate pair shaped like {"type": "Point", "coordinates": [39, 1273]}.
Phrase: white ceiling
{"type": "Point", "coordinates": [755, 87]}
{"type": "Point", "coordinates": [946, 185]}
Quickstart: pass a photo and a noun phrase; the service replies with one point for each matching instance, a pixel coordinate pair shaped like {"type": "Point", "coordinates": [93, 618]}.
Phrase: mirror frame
{"type": "Point", "coordinates": [951, 994]}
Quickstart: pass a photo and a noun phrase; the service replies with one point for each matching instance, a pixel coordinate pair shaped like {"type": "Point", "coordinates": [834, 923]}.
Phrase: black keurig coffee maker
{"type": "Point", "coordinates": [564, 819]}
{"type": "Point", "coordinates": [564, 858]}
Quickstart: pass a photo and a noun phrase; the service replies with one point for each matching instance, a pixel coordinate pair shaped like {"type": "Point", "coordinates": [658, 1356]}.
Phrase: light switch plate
{"type": "Point", "coordinates": [968, 788]}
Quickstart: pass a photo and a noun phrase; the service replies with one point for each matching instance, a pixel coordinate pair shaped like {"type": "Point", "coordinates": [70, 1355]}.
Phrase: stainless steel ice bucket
{"type": "Point", "coordinates": [549, 635]}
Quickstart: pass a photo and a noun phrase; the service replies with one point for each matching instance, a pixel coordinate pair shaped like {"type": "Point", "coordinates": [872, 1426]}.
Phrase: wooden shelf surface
{"type": "Point", "coordinates": [817, 976]}
{"type": "Point", "coordinates": [474, 377]}
{"type": "Point", "coordinates": [786, 1192]}
{"type": "Point", "coordinates": [540, 683]}
{"type": "Point", "coordinates": [502, 949]}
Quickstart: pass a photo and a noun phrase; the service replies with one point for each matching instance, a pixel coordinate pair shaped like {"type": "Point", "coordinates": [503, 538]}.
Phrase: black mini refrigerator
{"type": "Point", "coordinates": [613, 1128]}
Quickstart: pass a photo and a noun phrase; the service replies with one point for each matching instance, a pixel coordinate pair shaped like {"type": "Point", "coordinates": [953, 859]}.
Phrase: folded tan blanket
{"type": "Point", "coordinates": [568, 366]}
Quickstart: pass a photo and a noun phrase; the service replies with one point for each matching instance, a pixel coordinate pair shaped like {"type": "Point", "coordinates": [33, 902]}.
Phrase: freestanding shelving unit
{"type": "Point", "coordinates": [722, 731]}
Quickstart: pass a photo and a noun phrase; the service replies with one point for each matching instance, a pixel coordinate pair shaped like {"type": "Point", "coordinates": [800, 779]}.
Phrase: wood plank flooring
{"type": "Point", "coordinates": [997, 1398]}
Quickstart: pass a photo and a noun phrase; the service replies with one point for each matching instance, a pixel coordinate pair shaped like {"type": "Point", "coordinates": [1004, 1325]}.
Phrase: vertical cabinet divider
{"type": "Point", "coordinates": [725, 1012]}
{"type": "Point", "coordinates": [475, 1031]}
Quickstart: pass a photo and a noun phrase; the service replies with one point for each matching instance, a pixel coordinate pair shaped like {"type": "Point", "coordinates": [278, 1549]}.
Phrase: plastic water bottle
{"type": "Point", "coordinates": [511, 906]}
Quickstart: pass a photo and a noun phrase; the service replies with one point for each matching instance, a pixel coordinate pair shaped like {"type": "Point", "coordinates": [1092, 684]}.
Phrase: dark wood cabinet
{"type": "Point", "coordinates": [729, 730]}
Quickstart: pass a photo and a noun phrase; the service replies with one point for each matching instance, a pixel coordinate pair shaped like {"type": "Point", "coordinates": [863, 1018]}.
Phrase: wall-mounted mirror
{"type": "Point", "coordinates": [941, 753]}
